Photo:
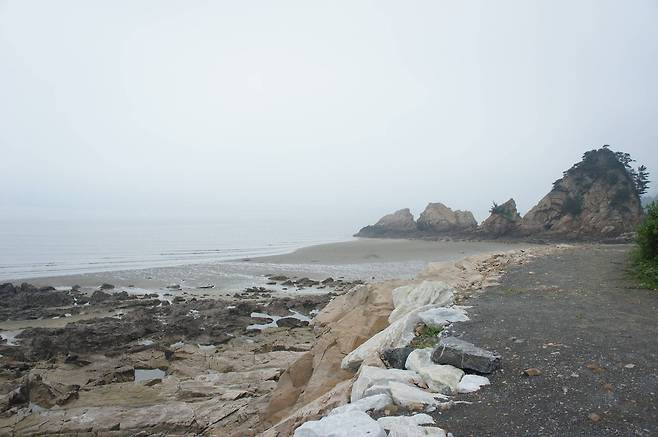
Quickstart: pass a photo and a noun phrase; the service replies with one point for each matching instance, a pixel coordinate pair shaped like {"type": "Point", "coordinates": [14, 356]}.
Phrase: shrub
{"type": "Point", "coordinates": [426, 336]}
{"type": "Point", "coordinates": [647, 235]}
{"type": "Point", "coordinates": [645, 256]}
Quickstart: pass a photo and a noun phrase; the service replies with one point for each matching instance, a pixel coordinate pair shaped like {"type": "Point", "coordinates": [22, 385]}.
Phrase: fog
{"type": "Point", "coordinates": [314, 110]}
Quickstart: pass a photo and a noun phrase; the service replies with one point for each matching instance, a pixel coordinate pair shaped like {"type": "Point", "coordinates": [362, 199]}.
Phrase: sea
{"type": "Point", "coordinates": [46, 248]}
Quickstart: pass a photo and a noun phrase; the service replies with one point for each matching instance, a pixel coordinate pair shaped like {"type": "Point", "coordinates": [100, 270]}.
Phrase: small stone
{"type": "Point", "coordinates": [532, 371]}
{"type": "Point", "coordinates": [472, 383]}
{"type": "Point", "coordinates": [595, 368]}
{"type": "Point", "coordinates": [594, 417]}
{"type": "Point", "coordinates": [629, 366]}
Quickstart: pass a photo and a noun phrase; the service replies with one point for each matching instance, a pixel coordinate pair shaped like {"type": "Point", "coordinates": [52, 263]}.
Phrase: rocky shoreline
{"type": "Point", "coordinates": [376, 368]}
{"type": "Point", "coordinates": [76, 361]}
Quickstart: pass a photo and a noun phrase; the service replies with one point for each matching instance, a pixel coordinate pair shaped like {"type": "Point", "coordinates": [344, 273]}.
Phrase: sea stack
{"type": "Point", "coordinates": [399, 224]}
{"type": "Point", "coordinates": [595, 198]}
{"type": "Point", "coordinates": [439, 219]}
{"type": "Point", "coordinates": [504, 220]}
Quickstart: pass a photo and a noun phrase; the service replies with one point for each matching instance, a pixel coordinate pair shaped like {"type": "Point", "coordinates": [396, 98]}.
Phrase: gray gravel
{"type": "Point", "coordinates": [577, 318]}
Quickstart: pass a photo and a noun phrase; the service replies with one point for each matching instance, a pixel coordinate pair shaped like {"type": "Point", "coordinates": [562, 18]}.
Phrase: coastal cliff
{"type": "Point", "coordinates": [597, 197]}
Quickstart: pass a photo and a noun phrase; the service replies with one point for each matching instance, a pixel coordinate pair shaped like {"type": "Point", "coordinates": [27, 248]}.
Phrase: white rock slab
{"type": "Point", "coordinates": [411, 297]}
{"type": "Point", "coordinates": [397, 334]}
{"type": "Point", "coordinates": [472, 383]}
{"type": "Point", "coordinates": [413, 398]}
{"type": "Point", "coordinates": [442, 379]}
{"type": "Point", "coordinates": [370, 403]}
{"type": "Point", "coordinates": [375, 376]}
{"type": "Point", "coordinates": [418, 359]}
{"type": "Point", "coordinates": [443, 316]}
{"type": "Point", "coordinates": [349, 424]}
{"type": "Point", "coordinates": [408, 426]}
{"type": "Point", "coordinates": [389, 422]}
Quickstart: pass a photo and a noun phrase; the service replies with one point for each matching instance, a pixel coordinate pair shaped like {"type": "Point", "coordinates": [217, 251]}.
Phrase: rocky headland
{"type": "Point", "coordinates": [597, 199]}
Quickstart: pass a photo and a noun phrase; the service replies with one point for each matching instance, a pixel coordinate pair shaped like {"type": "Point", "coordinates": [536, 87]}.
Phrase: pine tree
{"type": "Point", "coordinates": [641, 180]}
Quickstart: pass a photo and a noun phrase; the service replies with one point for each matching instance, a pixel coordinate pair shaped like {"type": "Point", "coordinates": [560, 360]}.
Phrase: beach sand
{"type": "Point", "coordinates": [364, 259]}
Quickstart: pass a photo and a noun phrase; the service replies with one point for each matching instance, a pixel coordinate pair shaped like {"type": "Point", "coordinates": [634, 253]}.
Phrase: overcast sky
{"type": "Point", "coordinates": [310, 109]}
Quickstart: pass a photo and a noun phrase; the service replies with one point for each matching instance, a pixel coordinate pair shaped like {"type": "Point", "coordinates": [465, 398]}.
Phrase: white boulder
{"type": "Point", "coordinates": [418, 359]}
{"type": "Point", "coordinates": [443, 316]}
{"type": "Point", "coordinates": [413, 398]}
{"type": "Point", "coordinates": [348, 424]}
{"type": "Point", "coordinates": [472, 383]}
{"type": "Point", "coordinates": [370, 376]}
{"type": "Point", "coordinates": [389, 422]}
{"type": "Point", "coordinates": [371, 403]}
{"type": "Point", "coordinates": [410, 297]}
{"type": "Point", "coordinates": [408, 426]}
{"type": "Point", "coordinates": [441, 378]}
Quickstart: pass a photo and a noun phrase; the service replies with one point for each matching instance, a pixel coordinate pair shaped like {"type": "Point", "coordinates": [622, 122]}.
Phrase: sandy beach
{"type": "Point", "coordinates": [364, 259]}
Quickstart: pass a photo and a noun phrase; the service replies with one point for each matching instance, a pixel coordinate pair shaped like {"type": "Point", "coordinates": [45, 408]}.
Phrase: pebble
{"type": "Point", "coordinates": [532, 371]}
{"type": "Point", "coordinates": [594, 417]}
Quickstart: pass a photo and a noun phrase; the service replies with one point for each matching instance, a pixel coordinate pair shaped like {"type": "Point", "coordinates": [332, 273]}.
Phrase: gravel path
{"type": "Point", "coordinates": [576, 317]}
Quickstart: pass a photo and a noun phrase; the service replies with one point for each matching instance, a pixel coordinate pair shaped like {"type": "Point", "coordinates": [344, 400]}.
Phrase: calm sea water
{"type": "Point", "coordinates": [49, 248]}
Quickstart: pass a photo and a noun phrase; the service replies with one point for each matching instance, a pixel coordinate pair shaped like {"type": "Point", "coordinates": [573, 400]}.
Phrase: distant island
{"type": "Point", "coordinates": [598, 198]}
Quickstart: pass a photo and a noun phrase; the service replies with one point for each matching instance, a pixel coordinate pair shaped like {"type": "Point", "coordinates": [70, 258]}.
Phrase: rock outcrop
{"type": "Point", "coordinates": [504, 220]}
{"type": "Point", "coordinates": [344, 324]}
{"type": "Point", "coordinates": [595, 198]}
{"type": "Point", "coordinates": [399, 224]}
{"type": "Point", "coordinates": [439, 219]}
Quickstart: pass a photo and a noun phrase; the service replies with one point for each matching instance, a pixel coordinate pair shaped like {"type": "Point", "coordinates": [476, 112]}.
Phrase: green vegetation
{"type": "Point", "coordinates": [502, 211]}
{"type": "Point", "coordinates": [645, 255]}
{"type": "Point", "coordinates": [426, 336]}
{"type": "Point", "coordinates": [604, 163]}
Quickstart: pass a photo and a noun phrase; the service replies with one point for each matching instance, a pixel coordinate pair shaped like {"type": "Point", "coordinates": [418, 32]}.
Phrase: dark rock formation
{"type": "Point", "coordinates": [595, 198]}
{"type": "Point", "coordinates": [399, 224]}
{"type": "Point", "coordinates": [291, 322]}
{"type": "Point", "coordinates": [438, 218]}
{"type": "Point", "coordinates": [465, 355]}
{"type": "Point", "coordinates": [396, 358]}
{"type": "Point", "coordinates": [504, 220]}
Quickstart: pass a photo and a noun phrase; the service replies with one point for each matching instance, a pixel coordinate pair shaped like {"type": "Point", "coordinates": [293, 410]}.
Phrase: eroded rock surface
{"type": "Point", "coordinates": [438, 218]}
{"type": "Point", "coordinates": [595, 198]}
{"type": "Point", "coordinates": [503, 221]}
{"type": "Point", "coordinates": [399, 224]}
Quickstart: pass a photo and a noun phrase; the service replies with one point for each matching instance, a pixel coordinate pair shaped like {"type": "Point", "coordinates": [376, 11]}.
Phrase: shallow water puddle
{"type": "Point", "coordinates": [10, 336]}
{"type": "Point", "coordinates": [148, 374]}
{"type": "Point", "coordinates": [293, 314]}
{"type": "Point", "coordinates": [146, 342]}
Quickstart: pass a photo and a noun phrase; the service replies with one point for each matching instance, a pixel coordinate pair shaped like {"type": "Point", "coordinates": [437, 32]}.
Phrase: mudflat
{"type": "Point", "coordinates": [388, 250]}
{"type": "Point", "coordinates": [577, 318]}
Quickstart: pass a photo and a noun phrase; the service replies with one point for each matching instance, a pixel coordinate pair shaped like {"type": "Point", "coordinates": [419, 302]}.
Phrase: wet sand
{"type": "Point", "coordinates": [366, 259]}
{"type": "Point", "coordinates": [363, 251]}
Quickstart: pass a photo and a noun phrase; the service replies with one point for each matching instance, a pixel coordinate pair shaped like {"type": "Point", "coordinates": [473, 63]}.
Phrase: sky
{"type": "Point", "coordinates": [314, 110]}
